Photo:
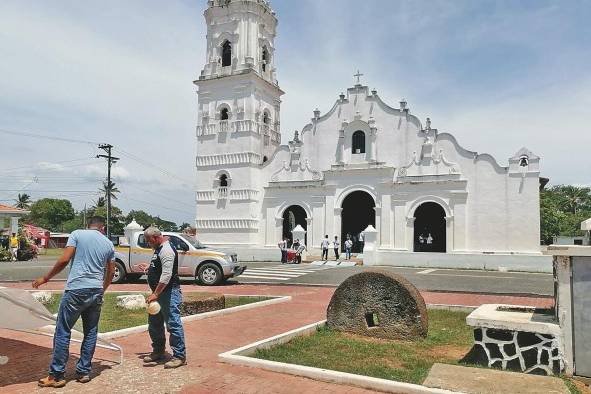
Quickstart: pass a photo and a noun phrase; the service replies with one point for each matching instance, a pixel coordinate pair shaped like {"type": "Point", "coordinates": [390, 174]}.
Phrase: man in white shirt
{"type": "Point", "coordinates": [324, 246]}
{"type": "Point", "coordinates": [336, 245]}
{"type": "Point", "coordinates": [348, 247]}
{"type": "Point", "coordinates": [283, 248]}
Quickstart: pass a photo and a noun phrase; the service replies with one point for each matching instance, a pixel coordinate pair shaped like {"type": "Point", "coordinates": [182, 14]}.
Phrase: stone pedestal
{"type": "Point", "coordinates": [370, 235]}
{"type": "Point", "coordinates": [299, 233]}
{"type": "Point", "coordinates": [572, 278]}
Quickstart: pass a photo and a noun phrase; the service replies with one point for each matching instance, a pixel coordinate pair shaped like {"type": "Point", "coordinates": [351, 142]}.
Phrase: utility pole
{"type": "Point", "coordinates": [110, 161]}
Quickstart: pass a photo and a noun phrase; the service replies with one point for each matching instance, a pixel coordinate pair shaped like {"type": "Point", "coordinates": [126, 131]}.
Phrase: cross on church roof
{"type": "Point", "coordinates": [358, 76]}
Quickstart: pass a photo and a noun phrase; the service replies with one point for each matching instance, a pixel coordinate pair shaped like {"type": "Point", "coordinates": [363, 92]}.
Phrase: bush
{"type": "Point", "coordinates": [5, 255]}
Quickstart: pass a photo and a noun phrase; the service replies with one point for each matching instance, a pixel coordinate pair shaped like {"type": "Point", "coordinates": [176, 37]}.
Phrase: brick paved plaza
{"type": "Point", "coordinates": [29, 354]}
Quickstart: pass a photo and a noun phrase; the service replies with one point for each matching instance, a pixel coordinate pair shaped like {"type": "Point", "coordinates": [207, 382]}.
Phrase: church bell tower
{"type": "Point", "coordinates": [238, 117]}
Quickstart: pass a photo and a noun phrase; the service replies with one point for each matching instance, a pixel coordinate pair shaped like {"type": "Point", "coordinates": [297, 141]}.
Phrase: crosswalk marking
{"type": "Point", "coordinates": [279, 272]}
{"type": "Point", "coordinates": [425, 272]}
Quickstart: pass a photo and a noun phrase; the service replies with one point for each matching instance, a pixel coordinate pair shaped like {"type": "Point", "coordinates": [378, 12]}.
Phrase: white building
{"type": "Point", "coordinates": [363, 162]}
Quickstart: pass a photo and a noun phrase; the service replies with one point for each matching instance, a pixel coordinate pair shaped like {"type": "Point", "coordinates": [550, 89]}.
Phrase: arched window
{"type": "Point", "coordinates": [358, 142]}
{"type": "Point", "coordinates": [266, 118]}
{"type": "Point", "coordinates": [223, 180]}
{"type": "Point", "coordinates": [265, 58]}
{"type": "Point", "coordinates": [224, 114]}
{"type": "Point", "coordinates": [226, 54]}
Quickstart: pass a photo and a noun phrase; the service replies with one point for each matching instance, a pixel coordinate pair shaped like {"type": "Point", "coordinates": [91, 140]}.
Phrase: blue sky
{"type": "Point", "coordinates": [498, 75]}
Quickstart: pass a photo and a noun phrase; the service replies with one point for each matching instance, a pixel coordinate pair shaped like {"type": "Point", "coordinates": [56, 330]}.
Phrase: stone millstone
{"type": "Point", "coordinates": [378, 304]}
{"type": "Point", "coordinates": [194, 303]}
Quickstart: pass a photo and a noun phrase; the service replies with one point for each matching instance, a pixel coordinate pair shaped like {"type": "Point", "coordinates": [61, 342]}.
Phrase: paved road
{"type": "Point", "coordinates": [425, 279]}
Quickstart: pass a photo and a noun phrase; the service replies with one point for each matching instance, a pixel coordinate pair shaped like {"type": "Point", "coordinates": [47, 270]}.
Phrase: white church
{"type": "Point", "coordinates": [363, 165]}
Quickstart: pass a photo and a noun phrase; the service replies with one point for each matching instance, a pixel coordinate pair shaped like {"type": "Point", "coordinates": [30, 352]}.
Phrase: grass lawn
{"type": "Point", "coordinates": [449, 339]}
{"type": "Point", "coordinates": [115, 318]}
{"type": "Point", "coordinates": [51, 252]}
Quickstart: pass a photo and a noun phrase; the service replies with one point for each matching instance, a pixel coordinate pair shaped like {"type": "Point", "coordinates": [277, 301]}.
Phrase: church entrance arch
{"type": "Point", "coordinates": [357, 213]}
{"type": "Point", "coordinates": [292, 216]}
{"type": "Point", "coordinates": [429, 232]}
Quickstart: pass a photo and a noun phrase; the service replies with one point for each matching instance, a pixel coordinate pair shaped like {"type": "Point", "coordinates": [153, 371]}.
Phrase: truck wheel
{"type": "Point", "coordinates": [119, 275]}
{"type": "Point", "coordinates": [209, 274]}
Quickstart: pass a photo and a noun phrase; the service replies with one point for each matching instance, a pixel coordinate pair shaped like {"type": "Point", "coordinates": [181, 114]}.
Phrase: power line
{"type": "Point", "coordinates": [156, 205]}
{"type": "Point", "coordinates": [48, 137]}
{"type": "Point", "coordinates": [152, 192]}
{"type": "Point", "coordinates": [36, 165]}
{"type": "Point", "coordinates": [49, 191]}
{"type": "Point", "coordinates": [162, 170]}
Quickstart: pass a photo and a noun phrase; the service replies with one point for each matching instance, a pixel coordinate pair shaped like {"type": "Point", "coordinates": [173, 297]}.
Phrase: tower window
{"type": "Point", "coordinates": [358, 142]}
{"type": "Point", "coordinates": [224, 114]}
{"type": "Point", "coordinates": [226, 54]}
{"type": "Point", "coordinates": [266, 118]}
{"type": "Point", "coordinates": [265, 58]}
{"type": "Point", "coordinates": [223, 180]}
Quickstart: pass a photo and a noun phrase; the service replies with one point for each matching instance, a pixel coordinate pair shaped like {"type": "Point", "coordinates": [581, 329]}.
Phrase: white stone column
{"type": "Point", "coordinates": [341, 147]}
{"type": "Point", "coordinates": [337, 223]}
{"type": "Point", "coordinates": [449, 234]}
{"type": "Point", "coordinates": [410, 233]}
{"type": "Point", "coordinates": [310, 231]}
{"type": "Point", "coordinates": [370, 236]}
{"type": "Point", "coordinates": [372, 145]}
{"type": "Point", "coordinates": [278, 229]}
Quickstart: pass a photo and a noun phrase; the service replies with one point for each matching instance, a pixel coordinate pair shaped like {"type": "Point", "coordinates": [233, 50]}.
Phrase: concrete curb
{"type": "Point", "coordinates": [137, 329]}
{"type": "Point", "coordinates": [240, 357]}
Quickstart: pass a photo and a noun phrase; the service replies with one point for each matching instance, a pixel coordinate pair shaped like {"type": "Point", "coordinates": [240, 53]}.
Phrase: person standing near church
{"type": "Point", "coordinates": [336, 245]}
{"type": "Point", "coordinates": [91, 272]}
{"type": "Point", "coordinates": [164, 282]}
{"type": "Point", "coordinates": [348, 247]}
{"type": "Point", "coordinates": [282, 245]}
{"type": "Point", "coordinates": [361, 242]}
{"type": "Point", "coordinates": [324, 246]}
{"type": "Point", "coordinates": [14, 246]}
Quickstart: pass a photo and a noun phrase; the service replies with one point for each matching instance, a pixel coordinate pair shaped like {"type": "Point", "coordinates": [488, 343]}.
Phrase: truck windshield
{"type": "Point", "coordinates": [193, 241]}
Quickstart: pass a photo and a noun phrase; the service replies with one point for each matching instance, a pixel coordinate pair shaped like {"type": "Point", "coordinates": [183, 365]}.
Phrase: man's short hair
{"type": "Point", "coordinates": [96, 221]}
{"type": "Point", "coordinates": [152, 231]}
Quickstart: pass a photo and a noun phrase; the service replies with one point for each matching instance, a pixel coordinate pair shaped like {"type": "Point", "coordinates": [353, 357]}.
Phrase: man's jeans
{"type": "Point", "coordinates": [170, 314]}
{"type": "Point", "coordinates": [75, 303]}
{"type": "Point", "coordinates": [348, 252]}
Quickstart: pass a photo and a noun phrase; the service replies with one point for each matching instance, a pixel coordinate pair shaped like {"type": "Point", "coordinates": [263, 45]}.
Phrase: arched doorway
{"type": "Point", "coordinates": [429, 233]}
{"type": "Point", "coordinates": [293, 216]}
{"type": "Point", "coordinates": [358, 213]}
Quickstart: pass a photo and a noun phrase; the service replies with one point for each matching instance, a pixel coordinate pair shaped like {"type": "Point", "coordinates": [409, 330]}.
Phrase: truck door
{"type": "Point", "coordinates": [140, 255]}
{"type": "Point", "coordinates": [185, 268]}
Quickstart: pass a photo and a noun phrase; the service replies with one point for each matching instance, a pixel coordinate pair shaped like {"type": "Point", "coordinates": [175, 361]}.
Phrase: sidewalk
{"type": "Point", "coordinates": [29, 355]}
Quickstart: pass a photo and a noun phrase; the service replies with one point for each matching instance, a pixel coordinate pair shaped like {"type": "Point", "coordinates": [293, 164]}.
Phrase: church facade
{"type": "Point", "coordinates": [363, 163]}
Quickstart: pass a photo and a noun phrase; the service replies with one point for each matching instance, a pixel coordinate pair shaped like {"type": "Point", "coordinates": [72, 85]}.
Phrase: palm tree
{"type": "Point", "coordinates": [23, 201]}
{"type": "Point", "coordinates": [100, 202]}
{"type": "Point", "coordinates": [110, 188]}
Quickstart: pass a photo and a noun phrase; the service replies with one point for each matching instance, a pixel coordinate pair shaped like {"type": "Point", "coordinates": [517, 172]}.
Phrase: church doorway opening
{"type": "Point", "coordinates": [429, 234]}
{"type": "Point", "coordinates": [293, 216]}
{"type": "Point", "coordinates": [358, 213]}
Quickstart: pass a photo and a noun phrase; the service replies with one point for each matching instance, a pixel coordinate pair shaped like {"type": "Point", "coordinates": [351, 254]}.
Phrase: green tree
{"type": "Point", "coordinates": [51, 213]}
{"type": "Point", "coordinates": [23, 201]}
{"type": "Point", "coordinates": [110, 188]}
{"type": "Point", "coordinates": [562, 209]}
{"type": "Point", "coordinates": [100, 202]}
{"type": "Point", "coordinates": [117, 218]}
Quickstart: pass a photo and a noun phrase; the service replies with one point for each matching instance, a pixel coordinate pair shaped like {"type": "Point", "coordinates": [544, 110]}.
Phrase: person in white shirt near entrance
{"type": "Point", "coordinates": [324, 246]}
{"type": "Point", "coordinates": [348, 247]}
{"type": "Point", "coordinates": [336, 245]}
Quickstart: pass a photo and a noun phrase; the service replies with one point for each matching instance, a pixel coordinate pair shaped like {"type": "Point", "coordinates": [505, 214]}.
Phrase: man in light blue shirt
{"type": "Point", "coordinates": [91, 272]}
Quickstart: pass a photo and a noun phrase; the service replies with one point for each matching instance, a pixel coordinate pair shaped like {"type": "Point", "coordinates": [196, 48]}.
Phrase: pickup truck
{"type": "Point", "coordinates": [208, 266]}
